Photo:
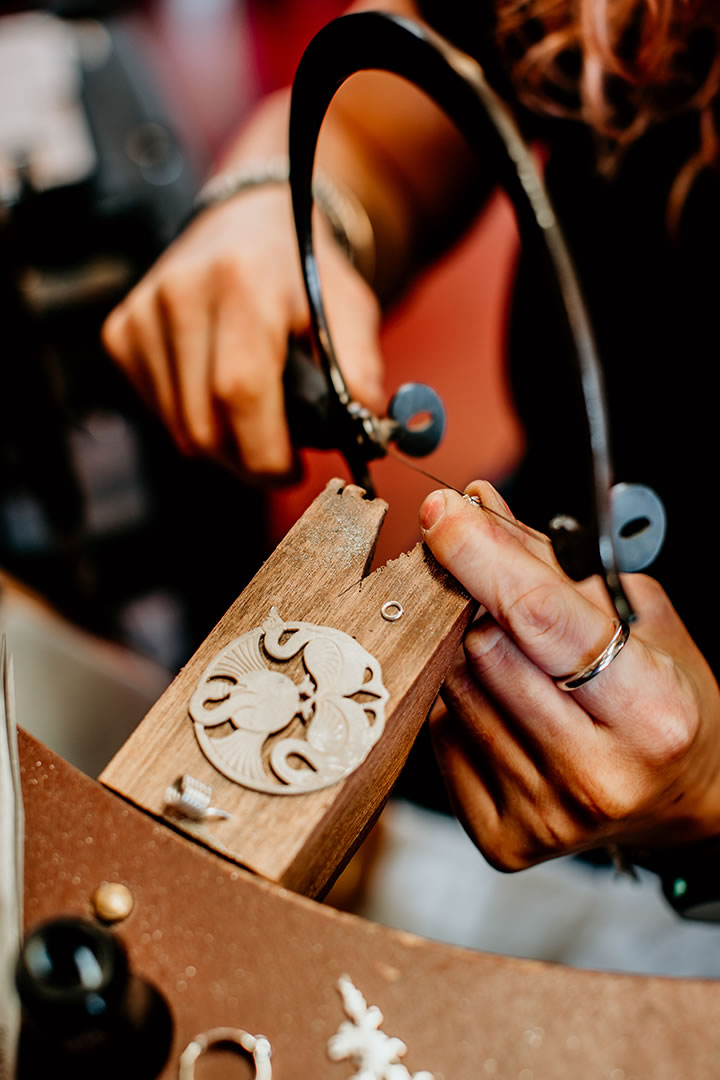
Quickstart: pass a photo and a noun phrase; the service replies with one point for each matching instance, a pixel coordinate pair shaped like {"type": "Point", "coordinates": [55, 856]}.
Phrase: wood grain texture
{"type": "Point", "coordinates": [228, 949]}
{"type": "Point", "coordinates": [315, 575]}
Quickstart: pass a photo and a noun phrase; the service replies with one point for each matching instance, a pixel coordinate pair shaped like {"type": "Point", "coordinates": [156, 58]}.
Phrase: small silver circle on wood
{"type": "Point", "coordinates": [392, 610]}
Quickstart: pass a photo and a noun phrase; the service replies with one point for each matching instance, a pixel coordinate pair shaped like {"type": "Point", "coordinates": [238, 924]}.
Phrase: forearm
{"type": "Point", "coordinates": [406, 163]}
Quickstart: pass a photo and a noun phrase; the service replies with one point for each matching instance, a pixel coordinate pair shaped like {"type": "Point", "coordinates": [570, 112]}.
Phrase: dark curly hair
{"type": "Point", "coordinates": [621, 66]}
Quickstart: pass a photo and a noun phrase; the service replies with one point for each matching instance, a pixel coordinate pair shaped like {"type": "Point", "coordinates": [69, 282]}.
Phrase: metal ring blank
{"type": "Point", "coordinates": [392, 610]}
{"type": "Point", "coordinates": [256, 1045]}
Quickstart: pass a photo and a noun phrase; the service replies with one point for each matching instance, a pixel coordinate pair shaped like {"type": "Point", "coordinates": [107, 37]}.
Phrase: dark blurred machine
{"type": "Point", "coordinates": [94, 183]}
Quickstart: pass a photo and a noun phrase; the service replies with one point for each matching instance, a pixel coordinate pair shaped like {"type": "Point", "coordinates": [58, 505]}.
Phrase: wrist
{"type": "Point", "coordinates": [348, 221]}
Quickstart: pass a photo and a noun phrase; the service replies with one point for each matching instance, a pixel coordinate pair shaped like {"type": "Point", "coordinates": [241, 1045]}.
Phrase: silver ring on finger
{"type": "Point", "coordinates": [606, 657]}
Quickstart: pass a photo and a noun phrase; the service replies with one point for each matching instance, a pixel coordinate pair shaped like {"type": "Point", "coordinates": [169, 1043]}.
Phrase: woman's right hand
{"type": "Point", "coordinates": [204, 335]}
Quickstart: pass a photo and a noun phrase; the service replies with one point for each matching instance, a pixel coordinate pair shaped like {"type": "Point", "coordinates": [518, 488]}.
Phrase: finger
{"type": "Point", "coordinates": [114, 336]}
{"type": "Point", "coordinates": [465, 767]}
{"type": "Point", "coordinates": [546, 718]}
{"type": "Point", "coordinates": [518, 751]}
{"type": "Point", "coordinates": [540, 736]}
{"type": "Point", "coordinates": [576, 775]}
{"type": "Point", "coordinates": [247, 382]}
{"type": "Point", "coordinates": [506, 813]}
{"type": "Point", "coordinates": [484, 494]}
{"type": "Point", "coordinates": [601, 773]}
{"type": "Point", "coordinates": [592, 774]}
{"type": "Point", "coordinates": [535, 602]}
{"type": "Point", "coordinates": [188, 331]}
{"type": "Point", "coordinates": [502, 758]}
{"type": "Point", "coordinates": [148, 322]}
{"type": "Point", "coordinates": [118, 340]}
{"type": "Point", "coordinates": [556, 627]}
{"type": "Point", "coordinates": [554, 791]}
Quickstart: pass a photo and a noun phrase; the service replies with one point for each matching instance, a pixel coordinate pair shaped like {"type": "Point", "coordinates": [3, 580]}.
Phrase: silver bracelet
{"type": "Point", "coordinates": [348, 220]}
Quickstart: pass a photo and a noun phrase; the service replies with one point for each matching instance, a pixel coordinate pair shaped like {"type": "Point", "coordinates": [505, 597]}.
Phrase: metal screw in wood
{"type": "Point", "coordinates": [112, 901]}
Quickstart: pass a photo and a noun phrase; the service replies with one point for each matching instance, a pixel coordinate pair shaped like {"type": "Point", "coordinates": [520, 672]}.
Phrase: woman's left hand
{"type": "Point", "coordinates": [630, 758]}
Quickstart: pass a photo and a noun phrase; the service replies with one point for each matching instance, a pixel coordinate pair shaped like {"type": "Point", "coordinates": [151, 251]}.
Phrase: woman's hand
{"type": "Point", "coordinates": [204, 335]}
{"type": "Point", "coordinates": [630, 758]}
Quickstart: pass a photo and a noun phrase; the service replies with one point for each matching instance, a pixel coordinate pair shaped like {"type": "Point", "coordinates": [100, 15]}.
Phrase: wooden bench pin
{"type": "Point", "coordinates": [300, 708]}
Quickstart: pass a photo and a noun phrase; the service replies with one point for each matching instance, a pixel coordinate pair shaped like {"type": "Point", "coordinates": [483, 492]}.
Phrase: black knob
{"type": "Point", "coordinates": [71, 973]}
{"type": "Point", "coordinates": [83, 1008]}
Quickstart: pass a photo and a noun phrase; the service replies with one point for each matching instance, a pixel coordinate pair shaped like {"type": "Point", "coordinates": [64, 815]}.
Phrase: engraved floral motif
{"type": "Point", "coordinates": [338, 706]}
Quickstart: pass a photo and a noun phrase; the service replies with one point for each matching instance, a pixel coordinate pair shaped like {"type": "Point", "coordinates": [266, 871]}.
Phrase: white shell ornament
{"type": "Point", "coordinates": [281, 736]}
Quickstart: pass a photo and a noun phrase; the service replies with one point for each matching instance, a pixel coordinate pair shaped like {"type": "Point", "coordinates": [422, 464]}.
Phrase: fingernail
{"type": "Point", "coordinates": [432, 510]}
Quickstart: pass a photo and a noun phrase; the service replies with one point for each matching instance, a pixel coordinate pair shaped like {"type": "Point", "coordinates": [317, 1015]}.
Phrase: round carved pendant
{"type": "Point", "coordinates": [300, 706]}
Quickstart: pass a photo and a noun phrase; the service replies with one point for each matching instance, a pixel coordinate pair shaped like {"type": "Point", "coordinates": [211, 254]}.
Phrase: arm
{"type": "Point", "coordinates": [204, 335]}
